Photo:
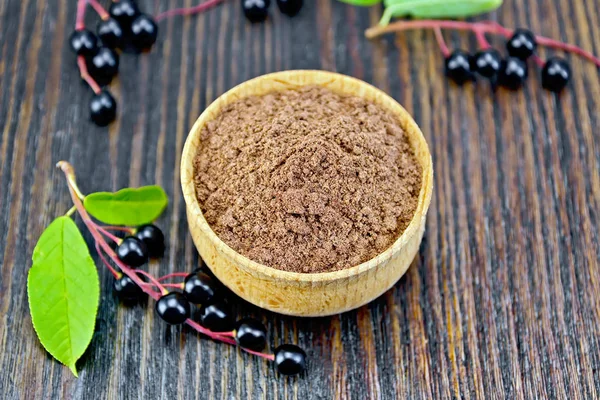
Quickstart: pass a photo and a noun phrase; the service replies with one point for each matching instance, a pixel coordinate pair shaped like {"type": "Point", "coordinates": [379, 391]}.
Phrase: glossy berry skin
{"type": "Point", "coordinates": [143, 32]}
{"type": "Point", "coordinates": [556, 74]}
{"type": "Point", "coordinates": [487, 63]}
{"type": "Point", "coordinates": [290, 359]}
{"type": "Point", "coordinates": [458, 67]}
{"type": "Point", "coordinates": [522, 44]}
{"type": "Point", "coordinates": [153, 238]}
{"type": "Point", "coordinates": [513, 73]}
{"type": "Point", "coordinates": [199, 288]}
{"type": "Point", "coordinates": [256, 10]}
{"type": "Point", "coordinates": [124, 11]}
{"type": "Point", "coordinates": [127, 289]}
{"type": "Point", "coordinates": [111, 33]}
{"type": "Point", "coordinates": [83, 42]}
{"type": "Point", "coordinates": [132, 251]}
{"type": "Point", "coordinates": [290, 7]}
{"type": "Point", "coordinates": [251, 334]}
{"type": "Point", "coordinates": [173, 308]}
{"type": "Point", "coordinates": [216, 317]}
{"type": "Point", "coordinates": [103, 110]}
{"type": "Point", "coordinates": [104, 64]}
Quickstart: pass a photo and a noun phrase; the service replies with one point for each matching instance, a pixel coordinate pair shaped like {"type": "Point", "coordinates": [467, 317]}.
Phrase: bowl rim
{"type": "Point", "coordinates": [253, 267]}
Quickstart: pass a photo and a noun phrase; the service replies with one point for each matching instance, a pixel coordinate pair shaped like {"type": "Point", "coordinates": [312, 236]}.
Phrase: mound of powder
{"type": "Point", "coordinates": [306, 180]}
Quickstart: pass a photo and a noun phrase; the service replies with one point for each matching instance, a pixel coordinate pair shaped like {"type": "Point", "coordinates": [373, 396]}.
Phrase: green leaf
{"type": "Point", "coordinates": [362, 3]}
{"type": "Point", "coordinates": [63, 291]}
{"type": "Point", "coordinates": [131, 207]}
{"type": "Point", "coordinates": [434, 9]}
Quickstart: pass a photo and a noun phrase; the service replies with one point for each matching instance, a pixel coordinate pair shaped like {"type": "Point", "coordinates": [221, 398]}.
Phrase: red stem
{"type": "Point", "coordinates": [441, 42]}
{"type": "Point", "coordinates": [106, 263]}
{"type": "Point", "coordinates": [86, 76]}
{"type": "Point", "coordinates": [70, 175]}
{"type": "Point", "coordinates": [188, 11]}
{"type": "Point", "coordinates": [481, 40]}
{"type": "Point", "coordinates": [119, 228]}
{"type": "Point", "coordinates": [173, 275]}
{"type": "Point", "coordinates": [172, 285]}
{"type": "Point", "coordinates": [482, 27]}
{"type": "Point", "coordinates": [538, 60]}
{"type": "Point", "coordinates": [79, 19]}
{"type": "Point", "coordinates": [99, 9]}
{"type": "Point", "coordinates": [109, 235]}
{"type": "Point", "coordinates": [92, 227]}
{"type": "Point", "coordinates": [153, 280]}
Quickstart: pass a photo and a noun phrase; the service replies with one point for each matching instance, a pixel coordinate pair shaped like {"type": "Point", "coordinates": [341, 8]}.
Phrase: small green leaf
{"type": "Point", "coordinates": [63, 291]}
{"type": "Point", "coordinates": [362, 3]}
{"type": "Point", "coordinates": [132, 207]}
{"type": "Point", "coordinates": [434, 9]}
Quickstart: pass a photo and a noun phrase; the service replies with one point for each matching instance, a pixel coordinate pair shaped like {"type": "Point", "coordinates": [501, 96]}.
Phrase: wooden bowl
{"type": "Point", "coordinates": [315, 294]}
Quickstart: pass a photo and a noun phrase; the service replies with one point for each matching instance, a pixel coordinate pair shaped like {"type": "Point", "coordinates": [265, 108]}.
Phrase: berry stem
{"type": "Point", "coordinates": [131, 231]}
{"type": "Point", "coordinates": [83, 71]}
{"type": "Point", "coordinates": [172, 275]}
{"type": "Point", "coordinates": [483, 27]}
{"type": "Point", "coordinates": [188, 11]}
{"type": "Point", "coordinates": [79, 19]}
{"type": "Point", "coordinates": [153, 280]}
{"type": "Point", "coordinates": [482, 42]}
{"type": "Point", "coordinates": [101, 244]}
{"type": "Point", "coordinates": [99, 9]}
{"type": "Point", "coordinates": [70, 211]}
{"type": "Point", "coordinates": [270, 357]}
{"type": "Point", "coordinates": [76, 197]}
{"type": "Point", "coordinates": [172, 285]}
{"type": "Point", "coordinates": [109, 235]}
{"type": "Point", "coordinates": [116, 274]}
{"type": "Point", "coordinates": [538, 60]}
{"type": "Point", "coordinates": [441, 42]}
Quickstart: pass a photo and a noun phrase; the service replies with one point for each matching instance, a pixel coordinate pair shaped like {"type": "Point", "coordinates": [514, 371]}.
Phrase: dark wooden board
{"type": "Point", "coordinates": [503, 301]}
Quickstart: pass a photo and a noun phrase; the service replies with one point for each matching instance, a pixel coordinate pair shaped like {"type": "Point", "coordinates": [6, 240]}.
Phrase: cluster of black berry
{"type": "Point", "coordinates": [512, 71]}
{"type": "Point", "coordinates": [124, 27]}
{"type": "Point", "coordinates": [258, 10]}
{"type": "Point", "coordinates": [198, 289]}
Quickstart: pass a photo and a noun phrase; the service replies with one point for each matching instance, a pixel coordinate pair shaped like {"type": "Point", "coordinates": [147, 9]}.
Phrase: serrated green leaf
{"type": "Point", "coordinates": [131, 207]}
{"type": "Point", "coordinates": [63, 291]}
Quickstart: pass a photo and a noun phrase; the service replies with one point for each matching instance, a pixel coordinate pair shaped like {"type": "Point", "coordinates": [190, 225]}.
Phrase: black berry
{"type": "Point", "coordinates": [216, 317]}
{"type": "Point", "coordinates": [132, 251]}
{"type": "Point", "coordinates": [487, 63]}
{"type": "Point", "coordinates": [124, 11]}
{"type": "Point", "coordinates": [513, 73]}
{"type": "Point", "coordinates": [458, 67]}
{"type": "Point", "coordinates": [127, 289]}
{"type": "Point", "coordinates": [143, 32]}
{"type": "Point", "coordinates": [251, 334]}
{"type": "Point", "coordinates": [290, 359]}
{"type": "Point", "coordinates": [173, 308]}
{"type": "Point", "coordinates": [110, 33]}
{"type": "Point", "coordinates": [153, 238]}
{"type": "Point", "coordinates": [556, 74]}
{"type": "Point", "coordinates": [83, 42]}
{"type": "Point", "coordinates": [256, 10]}
{"type": "Point", "coordinates": [103, 109]}
{"type": "Point", "coordinates": [522, 44]}
{"type": "Point", "coordinates": [290, 7]}
{"type": "Point", "coordinates": [199, 288]}
{"type": "Point", "coordinates": [104, 65]}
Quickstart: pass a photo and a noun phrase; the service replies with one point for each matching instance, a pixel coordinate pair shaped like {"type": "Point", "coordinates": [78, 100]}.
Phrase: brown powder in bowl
{"type": "Point", "coordinates": [306, 180]}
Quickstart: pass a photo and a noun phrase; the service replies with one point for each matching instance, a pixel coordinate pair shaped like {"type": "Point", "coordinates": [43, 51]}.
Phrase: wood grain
{"type": "Point", "coordinates": [503, 300]}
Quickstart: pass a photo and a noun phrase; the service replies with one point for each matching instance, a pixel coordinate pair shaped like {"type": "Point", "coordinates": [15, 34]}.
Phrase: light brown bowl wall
{"type": "Point", "coordinates": [295, 293]}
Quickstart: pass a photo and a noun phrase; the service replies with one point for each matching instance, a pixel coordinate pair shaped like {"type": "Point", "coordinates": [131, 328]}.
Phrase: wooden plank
{"type": "Point", "coordinates": [503, 300]}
